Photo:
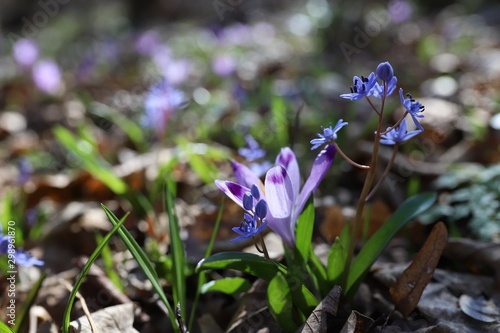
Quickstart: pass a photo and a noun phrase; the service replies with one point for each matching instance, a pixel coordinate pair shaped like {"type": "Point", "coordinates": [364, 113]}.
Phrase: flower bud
{"type": "Point", "coordinates": [248, 201]}
{"type": "Point", "coordinates": [384, 71]}
{"type": "Point", "coordinates": [255, 192]}
{"type": "Point", "coordinates": [261, 209]}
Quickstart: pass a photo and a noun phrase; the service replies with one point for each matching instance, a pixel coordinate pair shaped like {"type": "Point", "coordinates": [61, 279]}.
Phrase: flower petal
{"type": "Point", "coordinates": [246, 177]}
{"type": "Point", "coordinates": [287, 159]}
{"type": "Point", "coordinates": [234, 191]}
{"type": "Point", "coordinates": [318, 171]}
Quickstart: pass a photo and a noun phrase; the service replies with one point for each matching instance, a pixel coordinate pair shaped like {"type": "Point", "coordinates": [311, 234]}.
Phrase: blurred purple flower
{"type": "Point", "coordinates": [362, 87]}
{"type": "Point", "coordinates": [25, 170]}
{"type": "Point", "coordinates": [21, 258]}
{"type": "Point", "coordinates": [223, 65]}
{"type": "Point", "coordinates": [25, 52]}
{"type": "Point", "coordinates": [400, 10]}
{"type": "Point", "coordinates": [162, 100]}
{"type": "Point", "coordinates": [47, 76]}
{"type": "Point", "coordinates": [147, 42]}
{"type": "Point", "coordinates": [236, 34]}
{"type": "Point", "coordinates": [260, 168]}
{"type": "Point", "coordinates": [254, 151]}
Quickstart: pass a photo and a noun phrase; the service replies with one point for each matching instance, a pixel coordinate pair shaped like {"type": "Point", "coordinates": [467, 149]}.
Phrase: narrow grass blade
{"type": "Point", "coordinates": [5, 329]}
{"type": "Point", "coordinates": [201, 275]}
{"type": "Point", "coordinates": [23, 313]}
{"type": "Point", "coordinates": [176, 250]}
{"type": "Point", "coordinates": [85, 270]}
{"type": "Point", "coordinates": [144, 263]}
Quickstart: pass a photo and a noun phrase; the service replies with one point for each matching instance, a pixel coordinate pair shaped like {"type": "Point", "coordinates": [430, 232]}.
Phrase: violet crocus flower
{"type": "Point", "coordinates": [47, 76]}
{"type": "Point", "coordinates": [281, 189]}
{"type": "Point", "coordinates": [412, 107]}
{"type": "Point", "coordinates": [20, 257]}
{"type": "Point", "coordinates": [25, 52]}
{"type": "Point", "coordinates": [162, 100]}
{"type": "Point", "coordinates": [398, 134]}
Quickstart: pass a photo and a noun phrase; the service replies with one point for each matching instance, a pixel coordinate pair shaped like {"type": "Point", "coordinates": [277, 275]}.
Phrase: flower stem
{"type": "Point", "coordinates": [386, 171]}
{"type": "Point", "coordinates": [264, 248]}
{"type": "Point", "coordinates": [364, 193]}
{"type": "Point", "coordinates": [357, 165]}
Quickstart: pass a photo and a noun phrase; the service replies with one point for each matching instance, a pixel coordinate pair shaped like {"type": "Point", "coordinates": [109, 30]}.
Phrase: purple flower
{"type": "Point", "coordinates": [248, 227]}
{"type": "Point", "coordinates": [162, 100]}
{"type": "Point", "coordinates": [47, 76]}
{"type": "Point", "coordinates": [147, 42]}
{"type": "Point", "coordinates": [361, 87]}
{"type": "Point", "coordinates": [328, 135]}
{"type": "Point", "coordinates": [20, 257]}
{"type": "Point", "coordinates": [25, 52]}
{"type": "Point", "coordinates": [223, 65]}
{"type": "Point", "coordinates": [398, 134]}
{"type": "Point", "coordinates": [281, 190]}
{"type": "Point", "coordinates": [25, 170]}
{"type": "Point", "coordinates": [254, 151]}
{"type": "Point", "coordinates": [400, 10]}
{"type": "Point", "coordinates": [412, 107]}
{"type": "Point", "coordinates": [260, 168]}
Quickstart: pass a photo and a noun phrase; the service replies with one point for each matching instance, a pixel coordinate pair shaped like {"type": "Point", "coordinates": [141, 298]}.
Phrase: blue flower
{"type": "Point", "coordinates": [254, 151]}
{"type": "Point", "coordinates": [248, 227]}
{"type": "Point", "coordinates": [378, 89]}
{"type": "Point", "coordinates": [398, 134]}
{"type": "Point", "coordinates": [412, 107]}
{"type": "Point", "coordinates": [361, 87]}
{"type": "Point", "coordinates": [20, 257]}
{"type": "Point", "coordinates": [329, 134]}
{"type": "Point", "coordinates": [162, 100]}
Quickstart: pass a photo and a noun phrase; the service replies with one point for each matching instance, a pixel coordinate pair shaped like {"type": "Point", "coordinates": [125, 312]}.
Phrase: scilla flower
{"type": "Point", "coordinates": [398, 134]}
{"type": "Point", "coordinates": [412, 107]}
{"type": "Point", "coordinates": [329, 134]}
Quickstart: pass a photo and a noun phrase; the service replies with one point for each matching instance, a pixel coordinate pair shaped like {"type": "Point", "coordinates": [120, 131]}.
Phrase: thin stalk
{"type": "Point", "coordinates": [386, 171]}
{"type": "Point", "coordinates": [365, 191]}
{"type": "Point", "coordinates": [357, 165]}
{"type": "Point", "coordinates": [395, 125]}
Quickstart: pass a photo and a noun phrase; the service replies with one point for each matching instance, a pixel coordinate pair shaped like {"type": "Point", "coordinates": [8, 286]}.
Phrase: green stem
{"type": "Point", "coordinates": [364, 193]}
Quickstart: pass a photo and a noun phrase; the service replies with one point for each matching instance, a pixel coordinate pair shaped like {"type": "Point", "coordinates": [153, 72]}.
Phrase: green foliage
{"type": "Point", "coordinates": [84, 272]}
{"type": "Point", "coordinates": [280, 120]}
{"type": "Point", "coordinates": [142, 261]}
{"type": "Point", "coordinates": [473, 193]}
{"type": "Point", "coordinates": [279, 297]}
{"type": "Point", "coordinates": [411, 208]}
{"type": "Point", "coordinates": [246, 262]}
{"type": "Point", "coordinates": [5, 329]}
{"type": "Point", "coordinates": [227, 285]}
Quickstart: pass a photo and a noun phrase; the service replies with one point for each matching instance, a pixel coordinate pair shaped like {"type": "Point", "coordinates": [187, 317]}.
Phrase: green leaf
{"type": "Point", "coordinates": [143, 262]}
{"type": "Point", "coordinates": [302, 298]}
{"type": "Point", "coordinates": [304, 231]}
{"type": "Point", "coordinates": [244, 262]}
{"type": "Point", "coordinates": [85, 270]}
{"type": "Point", "coordinates": [23, 312]}
{"type": "Point", "coordinates": [337, 257]}
{"type": "Point", "coordinates": [279, 298]}
{"type": "Point", "coordinates": [227, 285]}
{"type": "Point", "coordinates": [411, 208]}
{"type": "Point", "coordinates": [278, 111]}
{"type": "Point", "coordinates": [318, 273]}
{"type": "Point", "coordinates": [4, 328]}
{"type": "Point", "coordinates": [89, 159]}
{"type": "Point", "coordinates": [176, 250]}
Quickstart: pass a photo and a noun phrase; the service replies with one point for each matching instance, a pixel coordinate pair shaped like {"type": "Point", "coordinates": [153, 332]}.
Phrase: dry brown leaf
{"type": "Point", "coordinates": [317, 321]}
{"type": "Point", "coordinates": [357, 323]}
{"type": "Point", "coordinates": [118, 318]}
{"type": "Point", "coordinates": [406, 292]}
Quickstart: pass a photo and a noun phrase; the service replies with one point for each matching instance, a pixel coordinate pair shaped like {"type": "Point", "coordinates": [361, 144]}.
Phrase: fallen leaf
{"type": "Point", "coordinates": [357, 323]}
{"type": "Point", "coordinates": [406, 292]}
{"type": "Point", "coordinates": [318, 320]}
{"type": "Point", "coordinates": [118, 318]}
